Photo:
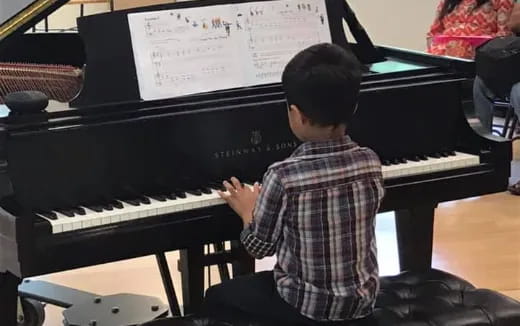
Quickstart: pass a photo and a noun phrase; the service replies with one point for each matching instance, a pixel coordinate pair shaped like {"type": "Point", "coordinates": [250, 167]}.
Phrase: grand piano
{"type": "Point", "coordinates": [116, 177]}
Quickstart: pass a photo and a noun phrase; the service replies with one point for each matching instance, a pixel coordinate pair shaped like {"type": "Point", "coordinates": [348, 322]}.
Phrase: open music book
{"type": "Point", "coordinates": [186, 51]}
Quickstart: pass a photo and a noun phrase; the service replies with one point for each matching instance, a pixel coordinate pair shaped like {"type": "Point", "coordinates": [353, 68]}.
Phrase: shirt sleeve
{"type": "Point", "coordinates": [261, 237]}
{"type": "Point", "coordinates": [504, 9]}
{"type": "Point", "coordinates": [437, 27]}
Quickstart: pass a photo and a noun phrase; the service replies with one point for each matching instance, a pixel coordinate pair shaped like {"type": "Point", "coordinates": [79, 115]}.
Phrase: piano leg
{"type": "Point", "coordinates": [191, 266]}
{"type": "Point", "coordinates": [415, 237]}
{"type": "Point", "coordinates": [8, 299]}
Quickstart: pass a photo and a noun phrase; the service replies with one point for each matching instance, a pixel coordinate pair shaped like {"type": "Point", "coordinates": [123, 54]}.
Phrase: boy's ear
{"type": "Point", "coordinates": [299, 114]}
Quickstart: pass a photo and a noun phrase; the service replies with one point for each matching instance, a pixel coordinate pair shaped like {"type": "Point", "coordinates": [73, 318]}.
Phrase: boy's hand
{"type": "Point", "coordinates": [241, 199]}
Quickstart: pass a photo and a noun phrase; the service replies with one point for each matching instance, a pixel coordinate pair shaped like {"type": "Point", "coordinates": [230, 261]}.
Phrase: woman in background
{"type": "Point", "coordinates": [487, 18]}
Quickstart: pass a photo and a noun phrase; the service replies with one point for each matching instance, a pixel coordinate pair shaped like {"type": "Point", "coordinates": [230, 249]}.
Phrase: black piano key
{"type": "Point", "coordinates": [195, 192]}
{"type": "Point", "coordinates": [250, 181]}
{"type": "Point", "coordinates": [452, 153]}
{"type": "Point", "coordinates": [66, 212]}
{"type": "Point", "coordinates": [144, 200]}
{"type": "Point", "coordinates": [415, 158]}
{"type": "Point", "coordinates": [444, 154]}
{"type": "Point", "coordinates": [49, 215]}
{"type": "Point", "coordinates": [423, 157]}
{"type": "Point", "coordinates": [159, 197]}
{"type": "Point", "coordinates": [133, 202]}
{"type": "Point", "coordinates": [386, 163]}
{"type": "Point", "coordinates": [110, 207]}
{"type": "Point", "coordinates": [402, 160]}
{"type": "Point", "coordinates": [435, 155]}
{"type": "Point", "coordinates": [101, 204]}
{"type": "Point", "coordinates": [179, 194]}
{"type": "Point", "coordinates": [115, 204]}
{"type": "Point", "coordinates": [79, 211]}
{"type": "Point", "coordinates": [206, 190]}
{"type": "Point", "coordinates": [171, 196]}
{"type": "Point", "coordinates": [396, 161]}
{"type": "Point", "coordinates": [217, 186]}
{"type": "Point", "coordinates": [95, 208]}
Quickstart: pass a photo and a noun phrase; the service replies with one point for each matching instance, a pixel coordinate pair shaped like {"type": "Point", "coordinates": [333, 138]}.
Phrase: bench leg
{"type": "Point", "coordinates": [9, 299]}
{"type": "Point", "coordinates": [415, 237]}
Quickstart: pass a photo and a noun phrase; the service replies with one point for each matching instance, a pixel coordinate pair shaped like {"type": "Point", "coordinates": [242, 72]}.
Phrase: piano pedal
{"type": "Point", "coordinates": [83, 308]}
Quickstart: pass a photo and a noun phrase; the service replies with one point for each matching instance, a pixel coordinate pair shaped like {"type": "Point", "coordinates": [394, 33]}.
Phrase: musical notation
{"type": "Point", "coordinates": [184, 51]}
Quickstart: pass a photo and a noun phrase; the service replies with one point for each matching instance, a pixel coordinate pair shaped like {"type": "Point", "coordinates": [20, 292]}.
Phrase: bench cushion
{"type": "Point", "coordinates": [432, 298]}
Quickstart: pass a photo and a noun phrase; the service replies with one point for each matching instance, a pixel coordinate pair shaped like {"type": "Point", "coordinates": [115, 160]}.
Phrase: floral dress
{"type": "Point", "coordinates": [489, 19]}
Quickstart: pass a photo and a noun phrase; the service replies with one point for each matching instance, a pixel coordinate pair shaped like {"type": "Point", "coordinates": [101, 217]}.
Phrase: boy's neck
{"type": "Point", "coordinates": [319, 133]}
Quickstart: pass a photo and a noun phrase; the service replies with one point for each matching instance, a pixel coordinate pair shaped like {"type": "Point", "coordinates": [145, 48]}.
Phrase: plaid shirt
{"type": "Point", "coordinates": [316, 211]}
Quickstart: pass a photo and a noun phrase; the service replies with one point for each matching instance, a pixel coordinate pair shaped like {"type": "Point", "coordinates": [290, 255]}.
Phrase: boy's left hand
{"type": "Point", "coordinates": [241, 199]}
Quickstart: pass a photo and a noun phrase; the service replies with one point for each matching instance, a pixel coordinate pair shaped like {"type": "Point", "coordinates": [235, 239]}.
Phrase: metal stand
{"type": "Point", "coordinates": [193, 261]}
{"type": "Point", "coordinates": [168, 284]}
{"type": "Point", "coordinates": [84, 308]}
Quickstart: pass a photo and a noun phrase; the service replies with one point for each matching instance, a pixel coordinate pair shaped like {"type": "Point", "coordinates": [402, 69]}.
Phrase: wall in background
{"type": "Point", "coordinates": [401, 23]}
{"type": "Point", "coordinates": [65, 17]}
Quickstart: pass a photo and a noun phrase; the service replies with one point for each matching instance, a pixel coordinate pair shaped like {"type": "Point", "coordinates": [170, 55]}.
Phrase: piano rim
{"type": "Point", "coordinates": [78, 118]}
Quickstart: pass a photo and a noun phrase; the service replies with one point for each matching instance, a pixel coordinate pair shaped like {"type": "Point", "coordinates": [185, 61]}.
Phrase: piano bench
{"type": "Point", "coordinates": [419, 299]}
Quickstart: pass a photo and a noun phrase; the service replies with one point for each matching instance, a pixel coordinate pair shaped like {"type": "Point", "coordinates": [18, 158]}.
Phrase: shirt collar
{"type": "Point", "coordinates": [325, 147]}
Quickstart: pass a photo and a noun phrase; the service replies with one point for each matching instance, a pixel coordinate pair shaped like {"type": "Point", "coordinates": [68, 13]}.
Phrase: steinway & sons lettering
{"type": "Point", "coordinates": [230, 153]}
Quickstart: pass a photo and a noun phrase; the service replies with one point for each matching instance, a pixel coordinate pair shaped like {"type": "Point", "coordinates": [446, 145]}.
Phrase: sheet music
{"type": "Point", "coordinates": [185, 51]}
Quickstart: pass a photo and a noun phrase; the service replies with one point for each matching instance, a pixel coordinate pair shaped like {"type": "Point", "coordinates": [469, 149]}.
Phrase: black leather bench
{"type": "Point", "coordinates": [433, 298]}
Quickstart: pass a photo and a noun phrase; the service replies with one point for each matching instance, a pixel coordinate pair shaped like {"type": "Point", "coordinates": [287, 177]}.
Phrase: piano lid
{"type": "Point", "coordinates": [17, 16]}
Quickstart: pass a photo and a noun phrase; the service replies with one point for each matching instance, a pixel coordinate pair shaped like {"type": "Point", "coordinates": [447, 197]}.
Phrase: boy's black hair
{"type": "Point", "coordinates": [324, 81]}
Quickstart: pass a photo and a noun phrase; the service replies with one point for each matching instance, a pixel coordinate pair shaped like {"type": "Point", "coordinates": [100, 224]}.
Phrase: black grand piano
{"type": "Point", "coordinates": [115, 177]}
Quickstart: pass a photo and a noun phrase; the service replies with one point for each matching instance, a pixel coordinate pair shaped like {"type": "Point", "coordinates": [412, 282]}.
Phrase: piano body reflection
{"type": "Point", "coordinates": [116, 177]}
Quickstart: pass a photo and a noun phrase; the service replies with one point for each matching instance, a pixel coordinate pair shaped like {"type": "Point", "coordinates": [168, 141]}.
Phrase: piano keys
{"type": "Point", "coordinates": [142, 206]}
{"type": "Point", "coordinates": [115, 211]}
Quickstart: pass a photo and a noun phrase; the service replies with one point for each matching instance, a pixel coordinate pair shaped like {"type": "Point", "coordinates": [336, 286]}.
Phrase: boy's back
{"type": "Point", "coordinates": [327, 259]}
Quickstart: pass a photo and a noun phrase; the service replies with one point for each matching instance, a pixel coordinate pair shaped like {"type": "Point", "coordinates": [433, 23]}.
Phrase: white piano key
{"type": "Point", "coordinates": [56, 226]}
{"type": "Point", "coordinates": [431, 165]}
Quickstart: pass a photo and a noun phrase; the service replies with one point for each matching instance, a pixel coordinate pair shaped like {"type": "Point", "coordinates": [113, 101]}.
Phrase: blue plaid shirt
{"type": "Point", "coordinates": [316, 212]}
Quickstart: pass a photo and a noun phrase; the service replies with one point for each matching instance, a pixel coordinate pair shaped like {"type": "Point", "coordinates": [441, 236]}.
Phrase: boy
{"type": "Point", "coordinates": [315, 210]}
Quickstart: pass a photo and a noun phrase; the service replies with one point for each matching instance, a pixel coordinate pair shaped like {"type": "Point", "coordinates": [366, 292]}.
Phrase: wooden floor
{"type": "Point", "coordinates": [477, 239]}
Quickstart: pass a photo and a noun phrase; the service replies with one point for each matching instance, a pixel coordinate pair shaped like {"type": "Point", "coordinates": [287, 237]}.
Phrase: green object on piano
{"type": "Point", "coordinates": [393, 66]}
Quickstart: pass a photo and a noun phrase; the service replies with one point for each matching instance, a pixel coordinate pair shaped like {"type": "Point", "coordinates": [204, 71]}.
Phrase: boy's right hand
{"type": "Point", "coordinates": [241, 199]}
